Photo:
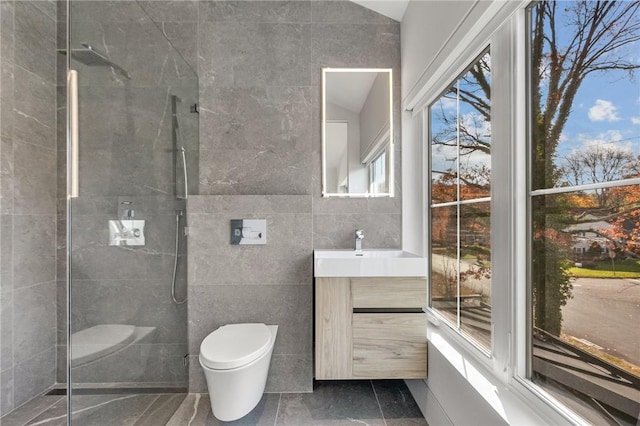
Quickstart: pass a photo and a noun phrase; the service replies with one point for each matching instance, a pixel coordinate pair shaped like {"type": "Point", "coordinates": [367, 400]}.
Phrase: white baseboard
{"type": "Point", "coordinates": [428, 403]}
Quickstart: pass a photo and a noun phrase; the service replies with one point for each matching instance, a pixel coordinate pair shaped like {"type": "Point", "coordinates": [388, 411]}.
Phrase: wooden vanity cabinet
{"type": "Point", "coordinates": [370, 328]}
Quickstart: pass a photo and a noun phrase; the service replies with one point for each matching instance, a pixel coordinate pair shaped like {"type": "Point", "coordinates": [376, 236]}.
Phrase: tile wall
{"type": "Point", "coordinates": [27, 200]}
{"type": "Point", "coordinates": [259, 67]}
{"type": "Point", "coordinates": [127, 163]}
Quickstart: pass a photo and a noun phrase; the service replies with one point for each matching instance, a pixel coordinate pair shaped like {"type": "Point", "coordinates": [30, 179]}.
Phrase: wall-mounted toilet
{"type": "Point", "coordinates": [236, 360]}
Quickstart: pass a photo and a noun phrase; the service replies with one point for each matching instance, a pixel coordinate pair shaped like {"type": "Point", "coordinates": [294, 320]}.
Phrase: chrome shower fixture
{"type": "Point", "coordinates": [92, 58]}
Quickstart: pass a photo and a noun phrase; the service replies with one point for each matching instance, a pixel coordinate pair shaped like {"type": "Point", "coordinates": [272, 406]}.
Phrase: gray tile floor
{"type": "Point", "coordinates": [365, 402]}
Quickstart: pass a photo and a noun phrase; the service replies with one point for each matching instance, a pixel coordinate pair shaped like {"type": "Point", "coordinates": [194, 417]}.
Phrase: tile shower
{"type": "Point", "coordinates": [252, 151]}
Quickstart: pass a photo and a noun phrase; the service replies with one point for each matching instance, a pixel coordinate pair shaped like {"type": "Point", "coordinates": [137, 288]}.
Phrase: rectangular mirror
{"type": "Point", "coordinates": [357, 132]}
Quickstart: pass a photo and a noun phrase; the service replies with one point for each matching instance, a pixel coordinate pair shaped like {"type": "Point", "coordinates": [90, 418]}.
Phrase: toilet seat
{"type": "Point", "coordinates": [234, 345]}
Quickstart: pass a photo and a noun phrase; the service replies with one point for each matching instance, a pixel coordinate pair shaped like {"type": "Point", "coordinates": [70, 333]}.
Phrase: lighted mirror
{"type": "Point", "coordinates": [357, 132]}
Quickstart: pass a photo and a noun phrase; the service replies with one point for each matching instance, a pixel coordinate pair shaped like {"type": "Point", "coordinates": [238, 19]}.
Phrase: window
{"type": "Point", "coordinates": [584, 200]}
{"type": "Point", "coordinates": [460, 203]}
{"type": "Point", "coordinates": [377, 174]}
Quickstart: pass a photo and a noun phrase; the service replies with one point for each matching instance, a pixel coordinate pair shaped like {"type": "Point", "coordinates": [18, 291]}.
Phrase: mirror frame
{"type": "Point", "coordinates": [391, 171]}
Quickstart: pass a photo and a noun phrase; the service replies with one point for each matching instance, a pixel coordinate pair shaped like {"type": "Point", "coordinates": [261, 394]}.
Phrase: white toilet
{"type": "Point", "coordinates": [236, 360]}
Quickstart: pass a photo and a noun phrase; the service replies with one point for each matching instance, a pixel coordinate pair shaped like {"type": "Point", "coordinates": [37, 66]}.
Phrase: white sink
{"type": "Point", "coordinates": [372, 263]}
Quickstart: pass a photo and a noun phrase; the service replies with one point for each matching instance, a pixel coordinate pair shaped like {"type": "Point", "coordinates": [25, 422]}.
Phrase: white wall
{"type": "Point", "coordinates": [374, 116]}
{"type": "Point", "coordinates": [358, 177]}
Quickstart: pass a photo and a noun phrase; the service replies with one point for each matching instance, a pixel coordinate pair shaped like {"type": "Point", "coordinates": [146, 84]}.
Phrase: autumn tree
{"type": "Point", "coordinates": [570, 41]}
{"type": "Point", "coordinates": [596, 163]}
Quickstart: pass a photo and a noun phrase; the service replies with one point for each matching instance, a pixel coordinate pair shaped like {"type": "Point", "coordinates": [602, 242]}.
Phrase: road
{"type": "Point", "coordinates": [606, 312]}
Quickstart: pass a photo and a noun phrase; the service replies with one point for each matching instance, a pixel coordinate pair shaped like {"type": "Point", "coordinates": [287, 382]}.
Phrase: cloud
{"type": "Point", "coordinates": [603, 111]}
{"type": "Point", "coordinates": [635, 120]}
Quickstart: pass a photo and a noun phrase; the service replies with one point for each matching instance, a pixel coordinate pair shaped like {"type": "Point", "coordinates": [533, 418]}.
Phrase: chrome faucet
{"type": "Point", "coordinates": [359, 238]}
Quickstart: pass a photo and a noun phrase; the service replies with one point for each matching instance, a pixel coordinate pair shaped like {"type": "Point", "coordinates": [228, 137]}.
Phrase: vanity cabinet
{"type": "Point", "coordinates": [370, 328]}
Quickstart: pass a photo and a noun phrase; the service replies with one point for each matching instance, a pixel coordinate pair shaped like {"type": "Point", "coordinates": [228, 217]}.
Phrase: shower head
{"type": "Point", "coordinates": [92, 58]}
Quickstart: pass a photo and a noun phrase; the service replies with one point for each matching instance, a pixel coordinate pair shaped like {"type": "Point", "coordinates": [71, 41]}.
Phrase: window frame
{"type": "Point", "coordinates": [503, 28]}
{"type": "Point", "coordinates": [429, 205]}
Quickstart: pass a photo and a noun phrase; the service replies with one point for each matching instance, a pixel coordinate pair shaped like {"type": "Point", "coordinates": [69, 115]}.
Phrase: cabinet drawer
{"type": "Point", "coordinates": [389, 292]}
{"type": "Point", "coordinates": [389, 346]}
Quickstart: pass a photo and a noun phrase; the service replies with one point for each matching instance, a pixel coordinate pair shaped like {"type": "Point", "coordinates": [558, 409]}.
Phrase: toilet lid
{"type": "Point", "coordinates": [234, 345]}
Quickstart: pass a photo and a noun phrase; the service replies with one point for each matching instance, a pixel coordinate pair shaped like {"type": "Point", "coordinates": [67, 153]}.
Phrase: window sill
{"type": "Point", "coordinates": [513, 406]}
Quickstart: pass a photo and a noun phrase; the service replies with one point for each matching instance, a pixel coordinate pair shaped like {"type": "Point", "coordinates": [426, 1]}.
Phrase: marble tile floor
{"type": "Point", "coordinates": [332, 403]}
{"type": "Point", "coordinates": [362, 402]}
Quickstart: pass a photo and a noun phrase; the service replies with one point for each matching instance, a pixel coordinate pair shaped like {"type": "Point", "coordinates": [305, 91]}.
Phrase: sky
{"type": "Point", "coordinates": [606, 110]}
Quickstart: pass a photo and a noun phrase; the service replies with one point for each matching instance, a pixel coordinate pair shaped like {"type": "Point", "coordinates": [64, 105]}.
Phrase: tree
{"type": "Point", "coordinates": [596, 163]}
{"type": "Point", "coordinates": [567, 46]}
{"type": "Point", "coordinates": [569, 42]}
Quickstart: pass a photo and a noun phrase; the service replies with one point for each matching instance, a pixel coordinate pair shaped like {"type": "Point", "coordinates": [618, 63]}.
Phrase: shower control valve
{"type": "Point", "coordinates": [126, 232]}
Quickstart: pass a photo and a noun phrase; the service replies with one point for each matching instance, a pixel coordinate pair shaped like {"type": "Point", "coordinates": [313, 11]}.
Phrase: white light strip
{"type": "Point", "coordinates": [72, 105]}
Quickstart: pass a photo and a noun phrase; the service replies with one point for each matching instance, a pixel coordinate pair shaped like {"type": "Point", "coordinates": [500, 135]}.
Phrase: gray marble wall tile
{"type": "Point", "coordinates": [290, 373]}
{"type": "Point", "coordinates": [6, 175]}
{"type": "Point", "coordinates": [145, 303]}
{"type": "Point", "coordinates": [49, 7]}
{"type": "Point", "coordinates": [6, 391]}
{"type": "Point", "coordinates": [354, 45]}
{"type": "Point", "coordinates": [35, 112]}
{"type": "Point", "coordinates": [34, 183]}
{"type": "Point", "coordinates": [6, 253]}
{"type": "Point", "coordinates": [335, 231]}
{"type": "Point", "coordinates": [27, 198]}
{"type": "Point", "coordinates": [182, 11]}
{"type": "Point", "coordinates": [184, 37]}
{"type": "Point", "coordinates": [139, 48]}
{"type": "Point", "coordinates": [254, 171]}
{"type": "Point", "coordinates": [288, 307]}
{"type": "Point", "coordinates": [61, 363]}
{"type": "Point", "coordinates": [255, 11]}
{"type": "Point", "coordinates": [6, 96]}
{"type": "Point", "coordinates": [197, 381]}
{"type": "Point", "coordinates": [7, 180]}
{"type": "Point", "coordinates": [35, 40]}
{"type": "Point", "coordinates": [250, 204]}
{"type": "Point", "coordinates": [34, 375]}
{"type": "Point", "coordinates": [253, 54]}
{"type": "Point", "coordinates": [261, 118]}
{"type": "Point", "coordinates": [285, 259]}
{"type": "Point", "coordinates": [7, 9]}
{"type": "Point", "coordinates": [34, 238]}
{"type": "Point", "coordinates": [6, 330]}
{"type": "Point", "coordinates": [34, 320]}
{"type": "Point", "coordinates": [61, 312]}
{"type": "Point", "coordinates": [108, 12]}
{"type": "Point", "coordinates": [148, 363]}
{"type": "Point", "coordinates": [346, 12]}
{"type": "Point", "coordinates": [254, 143]}
{"type": "Point", "coordinates": [61, 246]}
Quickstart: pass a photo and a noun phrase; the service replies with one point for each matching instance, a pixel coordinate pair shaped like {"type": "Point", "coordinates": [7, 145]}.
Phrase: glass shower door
{"type": "Point", "coordinates": [137, 151]}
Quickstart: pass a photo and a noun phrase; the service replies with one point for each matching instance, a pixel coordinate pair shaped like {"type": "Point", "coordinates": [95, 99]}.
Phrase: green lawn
{"type": "Point", "coordinates": [603, 269]}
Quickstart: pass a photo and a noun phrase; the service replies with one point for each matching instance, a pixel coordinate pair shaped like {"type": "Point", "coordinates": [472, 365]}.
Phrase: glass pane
{"type": "Point", "coordinates": [444, 148]}
{"type": "Point", "coordinates": [444, 261]}
{"type": "Point", "coordinates": [474, 118]}
{"type": "Point", "coordinates": [138, 161]}
{"type": "Point", "coordinates": [585, 271]}
{"type": "Point", "coordinates": [475, 271]}
{"type": "Point", "coordinates": [584, 104]}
